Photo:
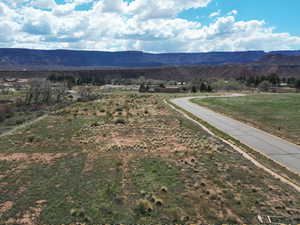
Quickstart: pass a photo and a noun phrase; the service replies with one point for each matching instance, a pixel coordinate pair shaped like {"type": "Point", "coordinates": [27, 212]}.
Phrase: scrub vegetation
{"type": "Point", "coordinates": [129, 158]}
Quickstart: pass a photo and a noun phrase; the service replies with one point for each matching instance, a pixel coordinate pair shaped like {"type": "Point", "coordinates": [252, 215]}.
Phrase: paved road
{"type": "Point", "coordinates": [279, 150]}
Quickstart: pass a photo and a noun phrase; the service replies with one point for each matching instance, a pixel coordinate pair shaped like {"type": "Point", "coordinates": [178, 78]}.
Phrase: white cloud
{"type": "Point", "coordinates": [45, 4]}
{"type": "Point", "coordinates": [232, 12]}
{"type": "Point", "coordinates": [231, 35]}
{"type": "Point", "coordinates": [6, 12]}
{"type": "Point", "coordinates": [7, 31]}
{"type": "Point", "coordinates": [215, 14]}
{"type": "Point", "coordinates": [114, 6]}
{"type": "Point", "coordinates": [78, 2]}
{"type": "Point", "coordinates": [64, 10]}
{"type": "Point", "coordinates": [149, 9]}
{"type": "Point", "coordinates": [2, 9]}
{"type": "Point", "coordinates": [149, 25]}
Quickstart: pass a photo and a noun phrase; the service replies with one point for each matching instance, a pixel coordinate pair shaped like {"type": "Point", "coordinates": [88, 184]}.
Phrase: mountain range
{"type": "Point", "coordinates": [28, 58]}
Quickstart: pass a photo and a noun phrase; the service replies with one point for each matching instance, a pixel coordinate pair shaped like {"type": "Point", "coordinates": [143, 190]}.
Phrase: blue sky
{"type": "Point", "coordinates": [151, 25]}
{"type": "Point", "coordinates": [282, 14]}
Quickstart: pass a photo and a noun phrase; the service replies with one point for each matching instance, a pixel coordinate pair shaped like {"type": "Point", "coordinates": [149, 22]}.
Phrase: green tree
{"type": "Point", "coordinates": [297, 85]}
{"type": "Point", "coordinates": [162, 85]}
{"type": "Point", "coordinates": [231, 85]}
{"type": "Point", "coordinates": [193, 89]}
{"type": "Point", "coordinates": [274, 79]}
{"type": "Point", "coordinates": [143, 88]}
{"type": "Point", "coordinates": [291, 80]}
{"type": "Point", "coordinates": [265, 86]}
{"type": "Point", "coordinates": [209, 88]}
{"type": "Point", "coordinates": [203, 87]}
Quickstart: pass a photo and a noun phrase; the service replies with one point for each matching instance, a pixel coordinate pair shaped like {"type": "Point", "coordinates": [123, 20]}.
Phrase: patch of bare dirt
{"type": "Point", "coordinates": [230, 214]}
{"type": "Point", "coordinates": [40, 201]}
{"type": "Point", "coordinates": [4, 207]}
{"type": "Point", "coordinates": [126, 159]}
{"type": "Point", "coordinates": [30, 216]}
{"type": "Point", "coordinates": [47, 158]}
{"type": "Point", "coordinates": [123, 140]}
{"type": "Point", "coordinates": [171, 146]}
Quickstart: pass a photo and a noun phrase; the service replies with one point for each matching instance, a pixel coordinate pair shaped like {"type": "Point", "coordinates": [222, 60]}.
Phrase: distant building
{"type": "Point", "coordinates": [181, 83]}
{"type": "Point", "coordinates": [71, 92]}
{"type": "Point", "coordinates": [283, 85]}
{"type": "Point", "coordinates": [22, 81]}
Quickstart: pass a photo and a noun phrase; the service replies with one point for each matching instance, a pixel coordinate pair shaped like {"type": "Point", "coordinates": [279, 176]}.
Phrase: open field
{"type": "Point", "coordinates": [11, 95]}
{"type": "Point", "coordinates": [18, 118]}
{"type": "Point", "coordinates": [277, 114]}
{"type": "Point", "coordinates": [129, 158]}
{"type": "Point", "coordinates": [23, 114]}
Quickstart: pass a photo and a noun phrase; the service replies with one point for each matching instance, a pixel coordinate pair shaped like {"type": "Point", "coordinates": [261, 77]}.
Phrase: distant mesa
{"type": "Point", "coordinates": [280, 59]}
{"type": "Point", "coordinates": [28, 58]}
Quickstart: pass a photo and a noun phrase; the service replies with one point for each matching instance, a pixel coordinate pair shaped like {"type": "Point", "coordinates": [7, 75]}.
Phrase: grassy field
{"type": "Point", "coordinates": [131, 159]}
{"type": "Point", "coordinates": [278, 114]}
{"type": "Point", "coordinates": [23, 114]}
{"type": "Point", "coordinates": [12, 95]}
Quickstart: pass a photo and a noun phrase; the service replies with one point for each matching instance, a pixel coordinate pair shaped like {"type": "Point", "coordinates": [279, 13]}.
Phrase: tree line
{"type": "Point", "coordinates": [77, 80]}
{"type": "Point", "coordinates": [273, 79]}
{"type": "Point", "coordinates": [195, 85]}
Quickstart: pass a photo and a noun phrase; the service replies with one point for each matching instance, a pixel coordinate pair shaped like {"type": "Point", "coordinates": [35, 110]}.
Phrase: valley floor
{"type": "Point", "coordinates": [131, 159]}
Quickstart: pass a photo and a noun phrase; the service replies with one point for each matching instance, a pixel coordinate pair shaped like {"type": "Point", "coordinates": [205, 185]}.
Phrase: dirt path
{"type": "Point", "coordinates": [26, 124]}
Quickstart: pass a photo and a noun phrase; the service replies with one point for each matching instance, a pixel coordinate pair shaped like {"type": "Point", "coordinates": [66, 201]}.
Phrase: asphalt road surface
{"type": "Point", "coordinates": [284, 152]}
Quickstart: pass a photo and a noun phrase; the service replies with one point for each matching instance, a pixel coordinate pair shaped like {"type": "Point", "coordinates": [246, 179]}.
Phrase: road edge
{"type": "Point", "coordinates": [246, 123]}
{"type": "Point", "coordinates": [210, 129]}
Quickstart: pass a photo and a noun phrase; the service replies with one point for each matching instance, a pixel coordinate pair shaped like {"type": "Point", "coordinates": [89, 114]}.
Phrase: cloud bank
{"type": "Point", "coordinates": [118, 25]}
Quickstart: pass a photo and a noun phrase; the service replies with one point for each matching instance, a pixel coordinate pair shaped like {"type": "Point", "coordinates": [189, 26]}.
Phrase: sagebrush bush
{"type": "Point", "coordinates": [159, 202]}
{"type": "Point", "coordinates": [144, 207]}
{"type": "Point", "coordinates": [120, 121]}
{"type": "Point", "coordinates": [164, 189]}
{"type": "Point", "coordinates": [119, 109]}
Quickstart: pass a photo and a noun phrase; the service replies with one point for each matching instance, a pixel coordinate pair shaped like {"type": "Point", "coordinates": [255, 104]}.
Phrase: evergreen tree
{"type": "Point", "coordinates": [143, 88]}
{"type": "Point", "coordinates": [274, 79]}
{"type": "Point", "coordinates": [209, 88]}
{"type": "Point", "coordinates": [203, 87]}
{"type": "Point", "coordinates": [193, 89]}
{"type": "Point", "coordinates": [297, 85]}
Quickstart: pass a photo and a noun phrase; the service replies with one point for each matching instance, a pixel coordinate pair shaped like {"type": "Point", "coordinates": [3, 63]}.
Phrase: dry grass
{"type": "Point", "coordinates": [157, 167]}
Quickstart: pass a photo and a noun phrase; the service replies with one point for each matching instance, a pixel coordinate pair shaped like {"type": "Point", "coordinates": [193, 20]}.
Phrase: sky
{"type": "Point", "coordinates": [151, 25]}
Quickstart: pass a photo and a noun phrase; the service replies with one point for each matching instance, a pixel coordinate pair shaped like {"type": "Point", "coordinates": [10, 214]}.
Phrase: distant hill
{"type": "Point", "coordinates": [26, 58]}
{"type": "Point", "coordinates": [280, 59]}
{"type": "Point", "coordinates": [288, 53]}
{"type": "Point", "coordinates": [59, 60]}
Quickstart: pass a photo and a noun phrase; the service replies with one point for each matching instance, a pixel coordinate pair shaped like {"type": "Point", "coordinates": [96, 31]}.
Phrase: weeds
{"type": "Point", "coordinates": [154, 168]}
